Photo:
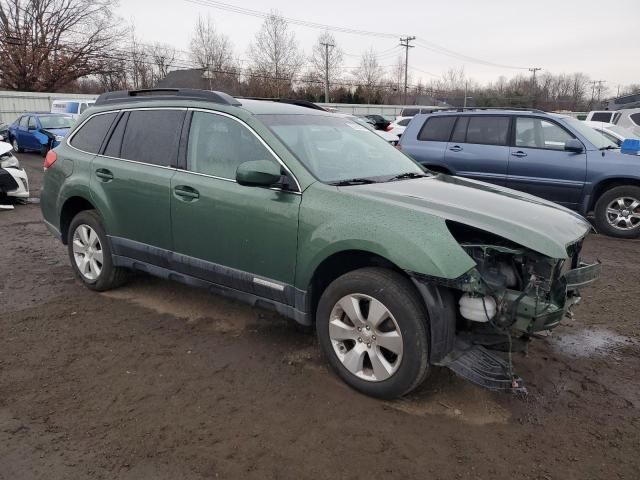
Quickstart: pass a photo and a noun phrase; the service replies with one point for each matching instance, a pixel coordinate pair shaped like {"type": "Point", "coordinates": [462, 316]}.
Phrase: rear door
{"type": "Point", "coordinates": [131, 182]}
{"type": "Point", "coordinates": [30, 138]}
{"type": "Point", "coordinates": [539, 165]}
{"type": "Point", "coordinates": [241, 237]}
{"type": "Point", "coordinates": [431, 141]}
{"type": "Point", "coordinates": [479, 147]}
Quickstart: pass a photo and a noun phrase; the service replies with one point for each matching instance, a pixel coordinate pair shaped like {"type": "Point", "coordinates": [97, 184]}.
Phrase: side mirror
{"type": "Point", "coordinates": [574, 145]}
{"type": "Point", "coordinates": [260, 173]}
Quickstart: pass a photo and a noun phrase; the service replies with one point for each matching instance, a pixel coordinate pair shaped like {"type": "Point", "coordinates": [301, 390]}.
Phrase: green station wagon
{"type": "Point", "coordinates": [314, 216]}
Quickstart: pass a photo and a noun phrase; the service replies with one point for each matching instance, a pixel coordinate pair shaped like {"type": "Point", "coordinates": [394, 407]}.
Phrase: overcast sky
{"type": "Point", "coordinates": [561, 36]}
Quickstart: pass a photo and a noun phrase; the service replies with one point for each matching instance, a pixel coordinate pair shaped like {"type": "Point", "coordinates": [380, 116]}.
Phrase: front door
{"type": "Point", "coordinates": [241, 237]}
{"type": "Point", "coordinates": [539, 165]}
{"type": "Point", "coordinates": [131, 183]}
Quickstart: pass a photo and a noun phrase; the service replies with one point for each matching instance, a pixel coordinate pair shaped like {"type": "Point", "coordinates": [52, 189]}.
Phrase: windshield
{"type": "Point", "coordinates": [337, 149]}
{"type": "Point", "coordinates": [55, 121]}
{"type": "Point", "coordinates": [591, 134]}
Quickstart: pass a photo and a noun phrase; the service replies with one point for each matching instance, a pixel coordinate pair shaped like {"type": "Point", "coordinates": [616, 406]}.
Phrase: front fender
{"type": "Point", "coordinates": [416, 242]}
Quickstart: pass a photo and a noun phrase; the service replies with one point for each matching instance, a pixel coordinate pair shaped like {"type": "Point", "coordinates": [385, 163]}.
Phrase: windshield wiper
{"type": "Point", "coordinates": [407, 175]}
{"type": "Point", "coordinates": [352, 181]}
{"type": "Point", "coordinates": [610, 147]}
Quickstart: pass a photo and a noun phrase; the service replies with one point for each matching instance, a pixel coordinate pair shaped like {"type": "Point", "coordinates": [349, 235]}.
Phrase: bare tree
{"type": "Point", "coordinates": [326, 57]}
{"type": "Point", "coordinates": [47, 44]}
{"type": "Point", "coordinates": [162, 55]}
{"type": "Point", "coordinates": [275, 55]}
{"type": "Point", "coordinates": [369, 74]}
{"type": "Point", "coordinates": [210, 49]}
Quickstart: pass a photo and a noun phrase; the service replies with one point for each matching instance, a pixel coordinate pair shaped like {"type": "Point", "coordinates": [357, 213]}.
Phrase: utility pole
{"type": "Point", "coordinates": [465, 94]}
{"type": "Point", "coordinates": [326, 69]}
{"type": "Point", "coordinates": [598, 89]}
{"type": "Point", "coordinates": [533, 71]}
{"type": "Point", "coordinates": [404, 42]}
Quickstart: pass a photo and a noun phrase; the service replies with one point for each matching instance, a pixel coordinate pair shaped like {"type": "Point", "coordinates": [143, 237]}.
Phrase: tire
{"type": "Point", "coordinates": [625, 200]}
{"type": "Point", "coordinates": [16, 147]}
{"type": "Point", "coordinates": [96, 275]}
{"type": "Point", "coordinates": [352, 353]}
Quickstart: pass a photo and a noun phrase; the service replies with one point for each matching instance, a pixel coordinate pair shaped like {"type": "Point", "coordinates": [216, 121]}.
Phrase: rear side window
{"type": "Point", "coordinates": [152, 136]}
{"type": "Point", "coordinates": [115, 142]}
{"type": "Point", "coordinates": [601, 117]}
{"type": "Point", "coordinates": [90, 136]}
{"type": "Point", "coordinates": [635, 118]}
{"type": "Point", "coordinates": [24, 121]}
{"type": "Point", "coordinates": [437, 129]}
{"type": "Point", "coordinates": [32, 123]}
{"type": "Point", "coordinates": [460, 130]}
{"type": "Point", "coordinates": [488, 130]}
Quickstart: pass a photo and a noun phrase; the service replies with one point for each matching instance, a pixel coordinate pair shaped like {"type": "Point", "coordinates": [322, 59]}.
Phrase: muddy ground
{"type": "Point", "coordinates": [159, 381]}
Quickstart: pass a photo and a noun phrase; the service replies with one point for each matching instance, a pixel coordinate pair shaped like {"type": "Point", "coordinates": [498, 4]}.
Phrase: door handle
{"type": "Point", "coordinates": [519, 154]}
{"type": "Point", "coordinates": [104, 174]}
{"type": "Point", "coordinates": [186, 193]}
{"type": "Point", "coordinates": [456, 148]}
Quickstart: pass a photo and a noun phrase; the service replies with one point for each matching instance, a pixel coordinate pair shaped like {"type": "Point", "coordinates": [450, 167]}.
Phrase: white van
{"type": "Point", "coordinates": [71, 106]}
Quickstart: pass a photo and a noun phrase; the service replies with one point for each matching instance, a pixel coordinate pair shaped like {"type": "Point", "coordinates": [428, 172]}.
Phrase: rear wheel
{"type": "Point", "coordinates": [90, 253]}
{"type": "Point", "coordinates": [617, 212]}
{"type": "Point", "coordinates": [372, 328]}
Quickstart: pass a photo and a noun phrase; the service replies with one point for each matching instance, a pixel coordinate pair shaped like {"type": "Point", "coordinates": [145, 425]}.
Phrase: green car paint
{"type": "Point", "coordinates": [270, 243]}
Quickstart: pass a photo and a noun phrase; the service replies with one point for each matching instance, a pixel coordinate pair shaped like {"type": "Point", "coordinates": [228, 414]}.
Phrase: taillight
{"type": "Point", "coordinates": [398, 146]}
{"type": "Point", "coordinates": [50, 159]}
{"type": "Point", "coordinates": [389, 128]}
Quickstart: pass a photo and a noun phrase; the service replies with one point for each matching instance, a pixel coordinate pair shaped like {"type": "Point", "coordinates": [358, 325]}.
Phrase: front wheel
{"type": "Point", "coordinates": [16, 147]}
{"type": "Point", "coordinates": [617, 212]}
{"type": "Point", "coordinates": [90, 253]}
{"type": "Point", "coordinates": [372, 328]}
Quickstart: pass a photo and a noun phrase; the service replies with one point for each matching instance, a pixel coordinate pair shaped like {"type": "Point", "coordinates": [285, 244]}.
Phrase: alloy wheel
{"type": "Point", "coordinates": [87, 252]}
{"type": "Point", "coordinates": [365, 337]}
{"type": "Point", "coordinates": [623, 213]}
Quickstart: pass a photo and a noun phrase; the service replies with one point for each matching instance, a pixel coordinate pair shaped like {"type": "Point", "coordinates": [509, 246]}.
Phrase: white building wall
{"type": "Point", "coordinates": [13, 104]}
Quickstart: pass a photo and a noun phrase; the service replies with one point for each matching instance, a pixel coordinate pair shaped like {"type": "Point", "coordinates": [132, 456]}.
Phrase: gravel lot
{"type": "Point", "coordinates": [160, 381]}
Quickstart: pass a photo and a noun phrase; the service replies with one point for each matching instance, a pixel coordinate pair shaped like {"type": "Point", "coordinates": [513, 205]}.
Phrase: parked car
{"type": "Point", "coordinates": [378, 121]}
{"type": "Point", "coordinates": [613, 132]}
{"type": "Point", "coordinates": [607, 116]}
{"type": "Point", "coordinates": [552, 156]}
{"type": "Point", "coordinates": [71, 107]}
{"type": "Point", "coordinates": [307, 213]}
{"type": "Point", "coordinates": [368, 124]}
{"type": "Point", "coordinates": [629, 119]}
{"type": "Point", "coordinates": [4, 132]}
{"type": "Point", "coordinates": [399, 125]}
{"type": "Point", "coordinates": [39, 132]}
{"type": "Point", "coordinates": [415, 110]}
{"type": "Point", "coordinates": [13, 179]}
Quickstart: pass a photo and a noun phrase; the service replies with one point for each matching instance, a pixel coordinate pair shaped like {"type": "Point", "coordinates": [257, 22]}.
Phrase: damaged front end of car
{"type": "Point", "coordinates": [512, 293]}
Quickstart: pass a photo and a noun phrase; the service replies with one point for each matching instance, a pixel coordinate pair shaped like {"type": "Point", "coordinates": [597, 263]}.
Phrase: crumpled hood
{"type": "Point", "coordinates": [532, 222]}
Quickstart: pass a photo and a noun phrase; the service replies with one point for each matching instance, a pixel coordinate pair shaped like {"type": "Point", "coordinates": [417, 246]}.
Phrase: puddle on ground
{"type": "Point", "coordinates": [589, 343]}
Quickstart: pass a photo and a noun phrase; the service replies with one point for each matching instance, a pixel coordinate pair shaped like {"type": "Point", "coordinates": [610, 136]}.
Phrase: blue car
{"type": "Point", "coordinates": [556, 157]}
{"type": "Point", "coordinates": [39, 132]}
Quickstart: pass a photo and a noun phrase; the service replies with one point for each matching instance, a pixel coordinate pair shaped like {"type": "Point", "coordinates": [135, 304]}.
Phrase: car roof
{"type": "Point", "coordinates": [265, 107]}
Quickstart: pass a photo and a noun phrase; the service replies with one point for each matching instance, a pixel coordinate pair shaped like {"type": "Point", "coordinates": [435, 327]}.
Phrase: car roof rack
{"type": "Point", "coordinates": [292, 101]}
{"type": "Point", "coordinates": [121, 96]}
{"type": "Point", "coordinates": [515, 109]}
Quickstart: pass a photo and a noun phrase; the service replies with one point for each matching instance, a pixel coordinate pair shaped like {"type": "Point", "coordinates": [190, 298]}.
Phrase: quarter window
{"type": "Point", "coordinates": [219, 144]}
{"type": "Point", "coordinates": [90, 136]}
{"type": "Point", "coordinates": [488, 130]}
{"type": "Point", "coordinates": [24, 121]}
{"type": "Point", "coordinates": [152, 136]}
{"type": "Point", "coordinates": [437, 129]}
{"type": "Point", "coordinates": [635, 118]}
{"type": "Point", "coordinates": [537, 133]}
{"type": "Point", "coordinates": [460, 130]}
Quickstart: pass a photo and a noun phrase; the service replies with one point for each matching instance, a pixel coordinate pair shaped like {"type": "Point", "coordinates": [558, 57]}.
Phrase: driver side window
{"type": "Point", "coordinates": [219, 144]}
{"type": "Point", "coordinates": [538, 133]}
